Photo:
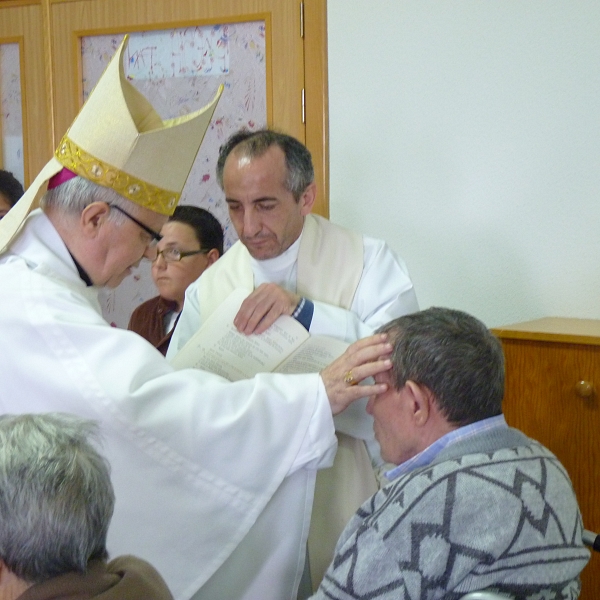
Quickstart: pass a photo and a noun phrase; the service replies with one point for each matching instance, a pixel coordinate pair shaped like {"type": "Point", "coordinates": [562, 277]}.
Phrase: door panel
{"type": "Point", "coordinates": [179, 71]}
{"type": "Point", "coordinates": [285, 72]}
{"type": "Point", "coordinates": [23, 25]}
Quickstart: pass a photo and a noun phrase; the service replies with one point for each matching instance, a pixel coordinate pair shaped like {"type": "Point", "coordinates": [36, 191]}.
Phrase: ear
{"type": "Point", "coordinates": [212, 256]}
{"type": "Point", "coordinates": [94, 215]}
{"type": "Point", "coordinates": [420, 402]}
{"type": "Point", "coordinates": [307, 199]}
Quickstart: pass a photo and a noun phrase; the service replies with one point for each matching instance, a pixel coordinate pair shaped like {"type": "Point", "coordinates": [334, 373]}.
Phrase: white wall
{"type": "Point", "coordinates": [466, 133]}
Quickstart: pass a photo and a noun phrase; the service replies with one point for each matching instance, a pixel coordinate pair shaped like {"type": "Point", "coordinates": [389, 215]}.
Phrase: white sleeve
{"type": "Point", "coordinates": [385, 291]}
{"type": "Point", "coordinates": [320, 444]}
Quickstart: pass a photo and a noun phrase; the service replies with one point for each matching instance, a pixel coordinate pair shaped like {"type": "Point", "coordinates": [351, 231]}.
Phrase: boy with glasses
{"type": "Point", "coordinates": [191, 241]}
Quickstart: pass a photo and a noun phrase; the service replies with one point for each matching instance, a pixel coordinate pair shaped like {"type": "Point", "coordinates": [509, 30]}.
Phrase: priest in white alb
{"type": "Point", "coordinates": [335, 282]}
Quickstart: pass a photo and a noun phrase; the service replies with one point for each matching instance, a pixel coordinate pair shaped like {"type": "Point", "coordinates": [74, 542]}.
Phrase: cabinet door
{"type": "Point", "coordinates": [543, 398]}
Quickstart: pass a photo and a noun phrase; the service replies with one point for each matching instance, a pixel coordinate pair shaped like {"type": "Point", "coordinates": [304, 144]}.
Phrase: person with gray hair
{"type": "Point", "coordinates": [195, 458]}
{"type": "Point", "coordinates": [300, 172]}
{"type": "Point", "coordinates": [472, 504]}
{"type": "Point", "coordinates": [56, 503]}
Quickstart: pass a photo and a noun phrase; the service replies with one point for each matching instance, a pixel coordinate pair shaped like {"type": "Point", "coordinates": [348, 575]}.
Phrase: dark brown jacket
{"type": "Point", "coordinates": [148, 321]}
{"type": "Point", "coordinates": [125, 578]}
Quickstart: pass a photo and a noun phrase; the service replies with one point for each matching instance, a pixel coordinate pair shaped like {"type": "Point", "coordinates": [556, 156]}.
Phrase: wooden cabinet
{"type": "Point", "coordinates": [553, 395]}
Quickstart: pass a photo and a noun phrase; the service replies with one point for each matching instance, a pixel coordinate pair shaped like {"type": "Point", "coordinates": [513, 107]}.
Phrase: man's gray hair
{"type": "Point", "coordinates": [56, 497]}
{"type": "Point", "coordinates": [455, 356]}
{"type": "Point", "coordinates": [251, 144]}
{"type": "Point", "coordinates": [72, 196]}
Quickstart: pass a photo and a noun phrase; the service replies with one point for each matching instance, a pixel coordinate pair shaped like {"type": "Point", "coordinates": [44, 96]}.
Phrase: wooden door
{"type": "Point", "coordinates": [21, 23]}
{"type": "Point", "coordinates": [289, 26]}
{"type": "Point", "coordinates": [295, 85]}
{"type": "Point", "coordinates": [47, 33]}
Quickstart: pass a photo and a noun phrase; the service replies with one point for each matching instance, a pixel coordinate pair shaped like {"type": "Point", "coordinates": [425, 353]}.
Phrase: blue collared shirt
{"type": "Point", "coordinates": [427, 456]}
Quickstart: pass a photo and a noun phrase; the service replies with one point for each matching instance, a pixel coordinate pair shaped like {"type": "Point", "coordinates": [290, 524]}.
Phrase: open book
{"type": "Point", "coordinates": [286, 347]}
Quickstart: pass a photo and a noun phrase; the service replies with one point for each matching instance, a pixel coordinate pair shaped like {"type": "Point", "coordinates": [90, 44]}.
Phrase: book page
{"type": "Point", "coordinates": [314, 354]}
{"type": "Point", "coordinates": [220, 348]}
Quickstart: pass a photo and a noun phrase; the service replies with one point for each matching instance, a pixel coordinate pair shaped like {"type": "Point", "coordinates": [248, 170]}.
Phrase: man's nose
{"type": "Point", "coordinates": [159, 262]}
{"type": "Point", "coordinates": [252, 224]}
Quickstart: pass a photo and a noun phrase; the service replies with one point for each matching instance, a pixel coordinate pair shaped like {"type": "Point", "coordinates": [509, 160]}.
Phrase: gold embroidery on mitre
{"type": "Point", "coordinates": [76, 159]}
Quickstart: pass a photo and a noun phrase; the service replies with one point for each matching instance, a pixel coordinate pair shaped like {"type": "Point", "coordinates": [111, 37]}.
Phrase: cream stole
{"type": "Point", "coordinates": [330, 265]}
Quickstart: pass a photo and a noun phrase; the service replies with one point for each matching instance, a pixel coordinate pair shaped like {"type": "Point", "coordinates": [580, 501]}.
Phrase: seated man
{"type": "Point", "coordinates": [192, 240]}
{"type": "Point", "coordinates": [56, 502]}
{"type": "Point", "coordinates": [473, 504]}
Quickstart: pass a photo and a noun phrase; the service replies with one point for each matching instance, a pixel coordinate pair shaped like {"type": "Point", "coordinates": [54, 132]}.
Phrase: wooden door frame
{"type": "Point", "coordinates": [317, 96]}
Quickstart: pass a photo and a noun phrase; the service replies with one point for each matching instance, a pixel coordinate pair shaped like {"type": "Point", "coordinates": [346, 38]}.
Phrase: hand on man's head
{"type": "Point", "coordinates": [365, 358]}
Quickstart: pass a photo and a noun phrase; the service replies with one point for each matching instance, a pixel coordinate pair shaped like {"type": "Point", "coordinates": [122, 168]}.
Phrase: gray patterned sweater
{"type": "Point", "coordinates": [496, 511]}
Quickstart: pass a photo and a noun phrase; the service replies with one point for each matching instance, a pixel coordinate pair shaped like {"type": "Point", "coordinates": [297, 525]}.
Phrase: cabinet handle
{"type": "Point", "coordinates": [584, 389]}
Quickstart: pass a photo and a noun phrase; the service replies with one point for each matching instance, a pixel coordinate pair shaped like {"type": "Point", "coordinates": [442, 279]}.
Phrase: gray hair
{"type": "Point", "coordinates": [72, 196]}
{"type": "Point", "coordinates": [455, 356]}
{"type": "Point", "coordinates": [300, 171]}
{"type": "Point", "coordinates": [56, 497]}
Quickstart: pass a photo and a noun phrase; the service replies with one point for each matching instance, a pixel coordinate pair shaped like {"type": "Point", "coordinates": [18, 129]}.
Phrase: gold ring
{"type": "Point", "coordinates": [349, 378]}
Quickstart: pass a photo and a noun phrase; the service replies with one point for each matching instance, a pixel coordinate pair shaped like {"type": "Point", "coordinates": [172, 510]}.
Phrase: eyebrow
{"type": "Point", "coordinates": [255, 201]}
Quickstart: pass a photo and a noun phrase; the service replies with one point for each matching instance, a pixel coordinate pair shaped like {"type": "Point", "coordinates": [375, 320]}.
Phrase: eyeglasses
{"type": "Point", "coordinates": [156, 237]}
{"type": "Point", "coordinates": [175, 255]}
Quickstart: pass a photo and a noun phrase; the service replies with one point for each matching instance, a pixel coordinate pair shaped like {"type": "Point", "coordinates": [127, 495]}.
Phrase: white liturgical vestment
{"type": "Point", "coordinates": [195, 459]}
{"type": "Point", "coordinates": [382, 291]}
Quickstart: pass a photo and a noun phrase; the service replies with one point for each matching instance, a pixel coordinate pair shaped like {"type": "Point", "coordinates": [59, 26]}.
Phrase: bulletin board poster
{"type": "Point", "coordinates": [11, 117]}
{"type": "Point", "coordinates": [179, 71]}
